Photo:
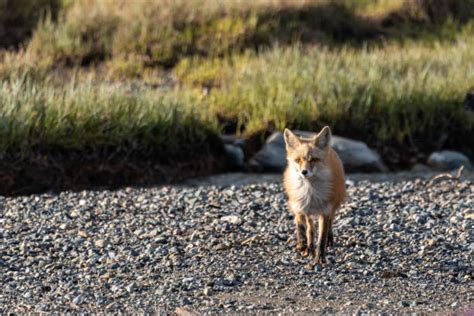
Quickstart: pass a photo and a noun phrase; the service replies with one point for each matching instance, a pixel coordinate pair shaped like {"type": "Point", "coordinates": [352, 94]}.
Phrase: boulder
{"type": "Point", "coordinates": [448, 160]}
{"type": "Point", "coordinates": [355, 155]}
{"type": "Point", "coordinates": [235, 156]}
{"type": "Point", "coordinates": [272, 156]}
{"type": "Point", "coordinates": [234, 151]}
{"type": "Point", "coordinates": [419, 167]}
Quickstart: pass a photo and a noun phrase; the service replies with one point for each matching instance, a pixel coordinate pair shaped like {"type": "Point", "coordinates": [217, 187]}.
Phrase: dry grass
{"type": "Point", "coordinates": [384, 71]}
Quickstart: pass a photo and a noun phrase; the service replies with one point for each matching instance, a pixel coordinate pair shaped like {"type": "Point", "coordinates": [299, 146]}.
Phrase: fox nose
{"type": "Point", "coordinates": [304, 172]}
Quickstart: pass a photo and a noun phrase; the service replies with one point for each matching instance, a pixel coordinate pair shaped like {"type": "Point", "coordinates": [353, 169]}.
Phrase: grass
{"type": "Point", "coordinates": [91, 115]}
{"type": "Point", "coordinates": [133, 36]}
{"type": "Point", "coordinates": [391, 92]}
{"type": "Point", "coordinates": [163, 78]}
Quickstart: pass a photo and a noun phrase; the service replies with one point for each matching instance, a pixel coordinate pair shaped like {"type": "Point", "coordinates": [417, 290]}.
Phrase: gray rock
{"type": "Point", "coordinates": [235, 156]}
{"type": "Point", "coordinates": [419, 167]}
{"type": "Point", "coordinates": [232, 140]}
{"type": "Point", "coordinates": [355, 155]}
{"type": "Point", "coordinates": [448, 160]}
{"type": "Point", "coordinates": [272, 157]}
{"type": "Point", "coordinates": [207, 291]}
{"type": "Point", "coordinates": [232, 219]}
{"type": "Point", "coordinates": [77, 300]}
{"type": "Point", "coordinates": [100, 243]}
{"type": "Point", "coordinates": [344, 222]}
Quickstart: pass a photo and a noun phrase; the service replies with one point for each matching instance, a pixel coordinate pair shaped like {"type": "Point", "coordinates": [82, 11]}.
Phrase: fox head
{"type": "Point", "coordinates": [307, 155]}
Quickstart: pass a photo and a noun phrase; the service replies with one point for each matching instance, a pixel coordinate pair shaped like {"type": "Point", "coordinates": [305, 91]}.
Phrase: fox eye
{"type": "Point", "coordinates": [313, 159]}
{"type": "Point", "coordinates": [298, 160]}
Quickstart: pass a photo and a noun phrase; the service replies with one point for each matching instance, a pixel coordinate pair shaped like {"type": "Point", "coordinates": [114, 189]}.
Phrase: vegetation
{"type": "Point", "coordinates": [78, 116]}
{"type": "Point", "coordinates": [380, 92]}
{"type": "Point", "coordinates": [162, 77]}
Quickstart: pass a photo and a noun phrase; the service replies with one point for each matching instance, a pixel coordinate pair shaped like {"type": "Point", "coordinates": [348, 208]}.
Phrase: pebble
{"type": "Point", "coordinates": [100, 243]}
{"type": "Point", "coordinates": [227, 250]}
{"type": "Point", "coordinates": [232, 219]}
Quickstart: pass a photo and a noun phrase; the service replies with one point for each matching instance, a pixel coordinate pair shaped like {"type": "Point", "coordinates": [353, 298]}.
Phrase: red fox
{"type": "Point", "coordinates": [315, 185]}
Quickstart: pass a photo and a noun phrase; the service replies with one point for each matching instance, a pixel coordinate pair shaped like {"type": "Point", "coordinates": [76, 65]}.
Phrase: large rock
{"type": "Point", "coordinates": [234, 151]}
{"type": "Point", "coordinates": [448, 160]}
{"type": "Point", "coordinates": [355, 155]}
{"type": "Point", "coordinates": [235, 156]}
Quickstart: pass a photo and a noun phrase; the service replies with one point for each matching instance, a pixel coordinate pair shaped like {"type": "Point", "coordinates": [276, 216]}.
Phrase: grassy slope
{"type": "Point", "coordinates": [391, 93]}
{"type": "Point", "coordinates": [382, 71]}
{"type": "Point", "coordinates": [93, 114]}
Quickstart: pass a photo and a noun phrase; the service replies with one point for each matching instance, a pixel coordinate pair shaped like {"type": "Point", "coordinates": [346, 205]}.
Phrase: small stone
{"type": "Point", "coordinates": [318, 267]}
{"type": "Point", "coordinates": [344, 222]}
{"type": "Point", "coordinates": [232, 219]}
{"type": "Point", "coordinates": [394, 227]}
{"type": "Point", "coordinates": [77, 300]}
{"type": "Point", "coordinates": [100, 243]}
{"type": "Point", "coordinates": [153, 233]}
{"type": "Point", "coordinates": [131, 287]}
{"type": "Point", "coordinates": [207, 291]}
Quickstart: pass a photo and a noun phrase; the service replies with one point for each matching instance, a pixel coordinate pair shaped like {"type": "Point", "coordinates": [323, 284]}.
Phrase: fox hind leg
{"type": "Point", "coordinates": [330, 234]}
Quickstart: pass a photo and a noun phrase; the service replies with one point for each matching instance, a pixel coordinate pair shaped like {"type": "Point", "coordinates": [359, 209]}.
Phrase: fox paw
{"type": "Point", "coordinates": [319, 259]}
{"type": "Point", "coordinates": [309, 251]}
{"type": "Point", "coordinates": [300, 247]}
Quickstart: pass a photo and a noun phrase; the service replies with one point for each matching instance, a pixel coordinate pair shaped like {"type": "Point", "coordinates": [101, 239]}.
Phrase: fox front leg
{"type": "Point", "coordinates": [322, 239]}
{"type": "Point", "coordinates": [300, 232]}
{"type": "Point", "coordinates": [310, 250]}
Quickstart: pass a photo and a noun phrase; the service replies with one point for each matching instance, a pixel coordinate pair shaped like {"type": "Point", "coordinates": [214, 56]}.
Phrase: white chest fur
{"type": "Point", "coordinates": [310, 196]}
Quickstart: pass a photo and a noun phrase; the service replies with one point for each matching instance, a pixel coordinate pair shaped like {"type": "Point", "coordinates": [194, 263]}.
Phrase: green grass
{"type": "Point", "coordinates": [404, 95]}
{"type": "Point", "coordinates": [90, 115]}
{"type": "Point", "coordinates": [139, 34]}
{"type": "Point", "coordinates": [162, 77]}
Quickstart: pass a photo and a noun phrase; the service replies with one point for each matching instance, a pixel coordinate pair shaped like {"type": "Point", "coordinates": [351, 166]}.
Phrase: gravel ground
{"type": "Point", "coordinates": [400, 247]}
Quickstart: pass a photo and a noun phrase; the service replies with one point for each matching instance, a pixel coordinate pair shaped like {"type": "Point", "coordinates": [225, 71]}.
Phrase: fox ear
{"type": "Point", "coordinates": [323, 139]}
{"type": "Point", "coordinates": [291, 140]}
